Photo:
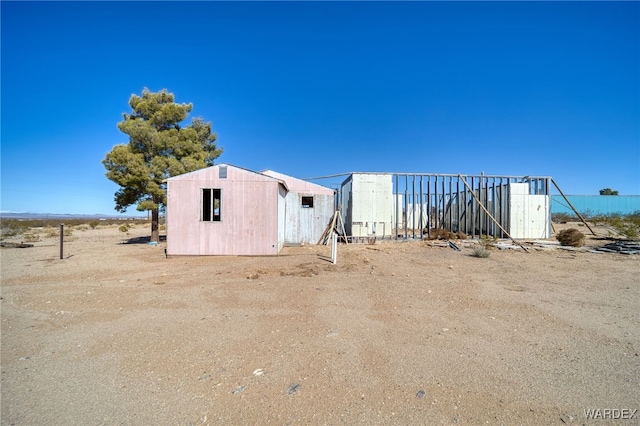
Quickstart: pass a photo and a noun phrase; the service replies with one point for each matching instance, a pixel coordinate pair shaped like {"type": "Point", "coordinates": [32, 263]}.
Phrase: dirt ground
{"type": "Point", "coordinates": [395, 333]}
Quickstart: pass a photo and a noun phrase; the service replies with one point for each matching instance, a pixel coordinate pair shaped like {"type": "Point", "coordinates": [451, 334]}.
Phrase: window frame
{"type": "Point", "coordinates": [307, 205]}
{"type": "Point", "coordinates": [209, 197]}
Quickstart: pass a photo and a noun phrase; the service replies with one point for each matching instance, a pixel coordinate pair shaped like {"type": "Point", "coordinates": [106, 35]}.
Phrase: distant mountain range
{"type": "Point", "coordinates": [15, 215]}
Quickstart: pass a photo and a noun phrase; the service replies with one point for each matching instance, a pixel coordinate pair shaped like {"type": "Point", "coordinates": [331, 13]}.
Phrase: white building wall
{"type": "Point", "coordinates": [370, 204]}
{"type": "Point", "coordinates": [529, 214]}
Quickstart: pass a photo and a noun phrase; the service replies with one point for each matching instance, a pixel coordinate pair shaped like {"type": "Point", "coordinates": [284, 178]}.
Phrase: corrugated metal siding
{"type": "Point", "coordinates": [249, 214]}
{"type": "Point", "coordinates": [596, 204]}
{"type": "Point", "coordinates": [305, 225]}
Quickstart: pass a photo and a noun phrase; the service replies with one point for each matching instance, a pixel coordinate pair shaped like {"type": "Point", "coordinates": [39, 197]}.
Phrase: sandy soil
{"type": "Point", "coordinates": [395, 333]}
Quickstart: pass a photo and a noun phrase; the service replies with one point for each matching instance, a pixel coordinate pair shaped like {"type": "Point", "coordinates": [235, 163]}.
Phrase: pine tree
{"type": "Point", "coordinates": [158, 148]}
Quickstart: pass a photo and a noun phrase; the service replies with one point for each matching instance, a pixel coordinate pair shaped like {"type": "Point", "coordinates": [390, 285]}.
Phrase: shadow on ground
{"type": "Point", "coordinates": [143, 240]}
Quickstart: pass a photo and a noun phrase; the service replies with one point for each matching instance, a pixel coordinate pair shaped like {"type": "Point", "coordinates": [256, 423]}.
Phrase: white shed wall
{"type": "Point", "coordinates": [368, 199]}
{"type": "Point", "coordinates": [529, 214]}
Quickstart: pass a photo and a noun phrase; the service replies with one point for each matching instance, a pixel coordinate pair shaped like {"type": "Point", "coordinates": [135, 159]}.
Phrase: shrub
{"type": "Point", "coordinates": [563, 218]}
{"type": "Point", "coordinates": [11, 228]}
{"type": "Point", "coordinates": [31, 238]}
{"type": "Point", "coordinates": [124, 228]}
{"type": "Point", "coordinates": [487, 241]}
{"type": "Point", "coordinates": [571, 237]}
{"type": "Point", "coordinates": [94, 224]}
{"type": "Point", "coordinates": [440, 234]}
{"type": "Point", "coordinates": [481, 252]}
{"type": "Point", "coordinates": [627, 226]}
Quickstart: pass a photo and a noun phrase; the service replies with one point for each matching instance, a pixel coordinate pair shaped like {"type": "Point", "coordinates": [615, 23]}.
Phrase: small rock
{"type": "Point", "coordinates": [238, 390]}
{"type": "Point", "coordinates": [293, 388]}
{"type": "Point", "coordinates": [421, 394]}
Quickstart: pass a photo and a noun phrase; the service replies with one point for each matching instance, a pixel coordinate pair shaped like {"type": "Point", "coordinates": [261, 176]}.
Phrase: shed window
{"type": "Point", "coordinates": [211, 206]}
{"type": "Point", "coordinates": [307, 202]}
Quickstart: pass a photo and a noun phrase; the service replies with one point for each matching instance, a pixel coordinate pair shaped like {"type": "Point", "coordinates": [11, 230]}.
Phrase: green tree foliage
{"type": "Point", "coordinates": [608, 191]}
{"type": "Point", "coordinates": [159, 148]}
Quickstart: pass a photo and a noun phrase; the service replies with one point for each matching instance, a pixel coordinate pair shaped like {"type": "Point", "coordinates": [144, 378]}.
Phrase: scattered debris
{"type": "Point", "coordinates": [622, 247]}
{"type": "Point", "coordinates": [258, 372]}
{"type": "Point", "coordinates": [15, 245]}
{"type": "Point", "coordinates": [453, 246]}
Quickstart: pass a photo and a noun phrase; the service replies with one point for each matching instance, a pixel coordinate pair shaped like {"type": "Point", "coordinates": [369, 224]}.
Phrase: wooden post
{"type": "Point", "coordinates": [344, 232]}
{"type": "Point", "coordinates": [489, 214]}
{"type": "Point", "coordinates": [62, 241]}
{"type": "Point", "coordinates": [572, 208]}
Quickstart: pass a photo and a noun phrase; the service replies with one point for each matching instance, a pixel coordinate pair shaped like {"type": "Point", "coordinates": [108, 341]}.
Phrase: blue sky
{"type": "Point", "coordinates": [313, 89]}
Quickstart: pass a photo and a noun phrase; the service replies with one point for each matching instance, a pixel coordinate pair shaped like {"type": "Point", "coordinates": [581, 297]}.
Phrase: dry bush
{"type": "Point", "coordinates": [487, 241]}
{"type": "Point", "coordinates": [31, 238]}
{"type": "Point", "coordinates": [571, 237]}
{"type": "Point", "coordinates": [481, 252]}
{"type": "Point", "coordinates": [627, 226]}
{"type": "Point", "coordinates": [442, 234]}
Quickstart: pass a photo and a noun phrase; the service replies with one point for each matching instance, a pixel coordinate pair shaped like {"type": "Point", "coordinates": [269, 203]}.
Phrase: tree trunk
{"type": "Point", "coordinates": [155, 231]}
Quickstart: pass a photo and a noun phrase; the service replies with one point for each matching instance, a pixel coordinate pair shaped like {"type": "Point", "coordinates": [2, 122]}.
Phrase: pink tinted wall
{"type": "Point", "coordinates": [248, 207]}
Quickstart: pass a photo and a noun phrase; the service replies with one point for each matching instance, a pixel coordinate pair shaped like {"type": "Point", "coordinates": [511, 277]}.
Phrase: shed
{"type": "Point", "coordinates": [309, 208]}
{"type": "Point", "coordinates": [225, 210]}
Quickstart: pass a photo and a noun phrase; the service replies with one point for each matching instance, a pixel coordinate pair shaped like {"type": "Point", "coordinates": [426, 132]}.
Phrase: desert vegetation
{"type": "Point", "coordinates": [618, 225]}
{"type": "Point", "coordinates": [33, 230]}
